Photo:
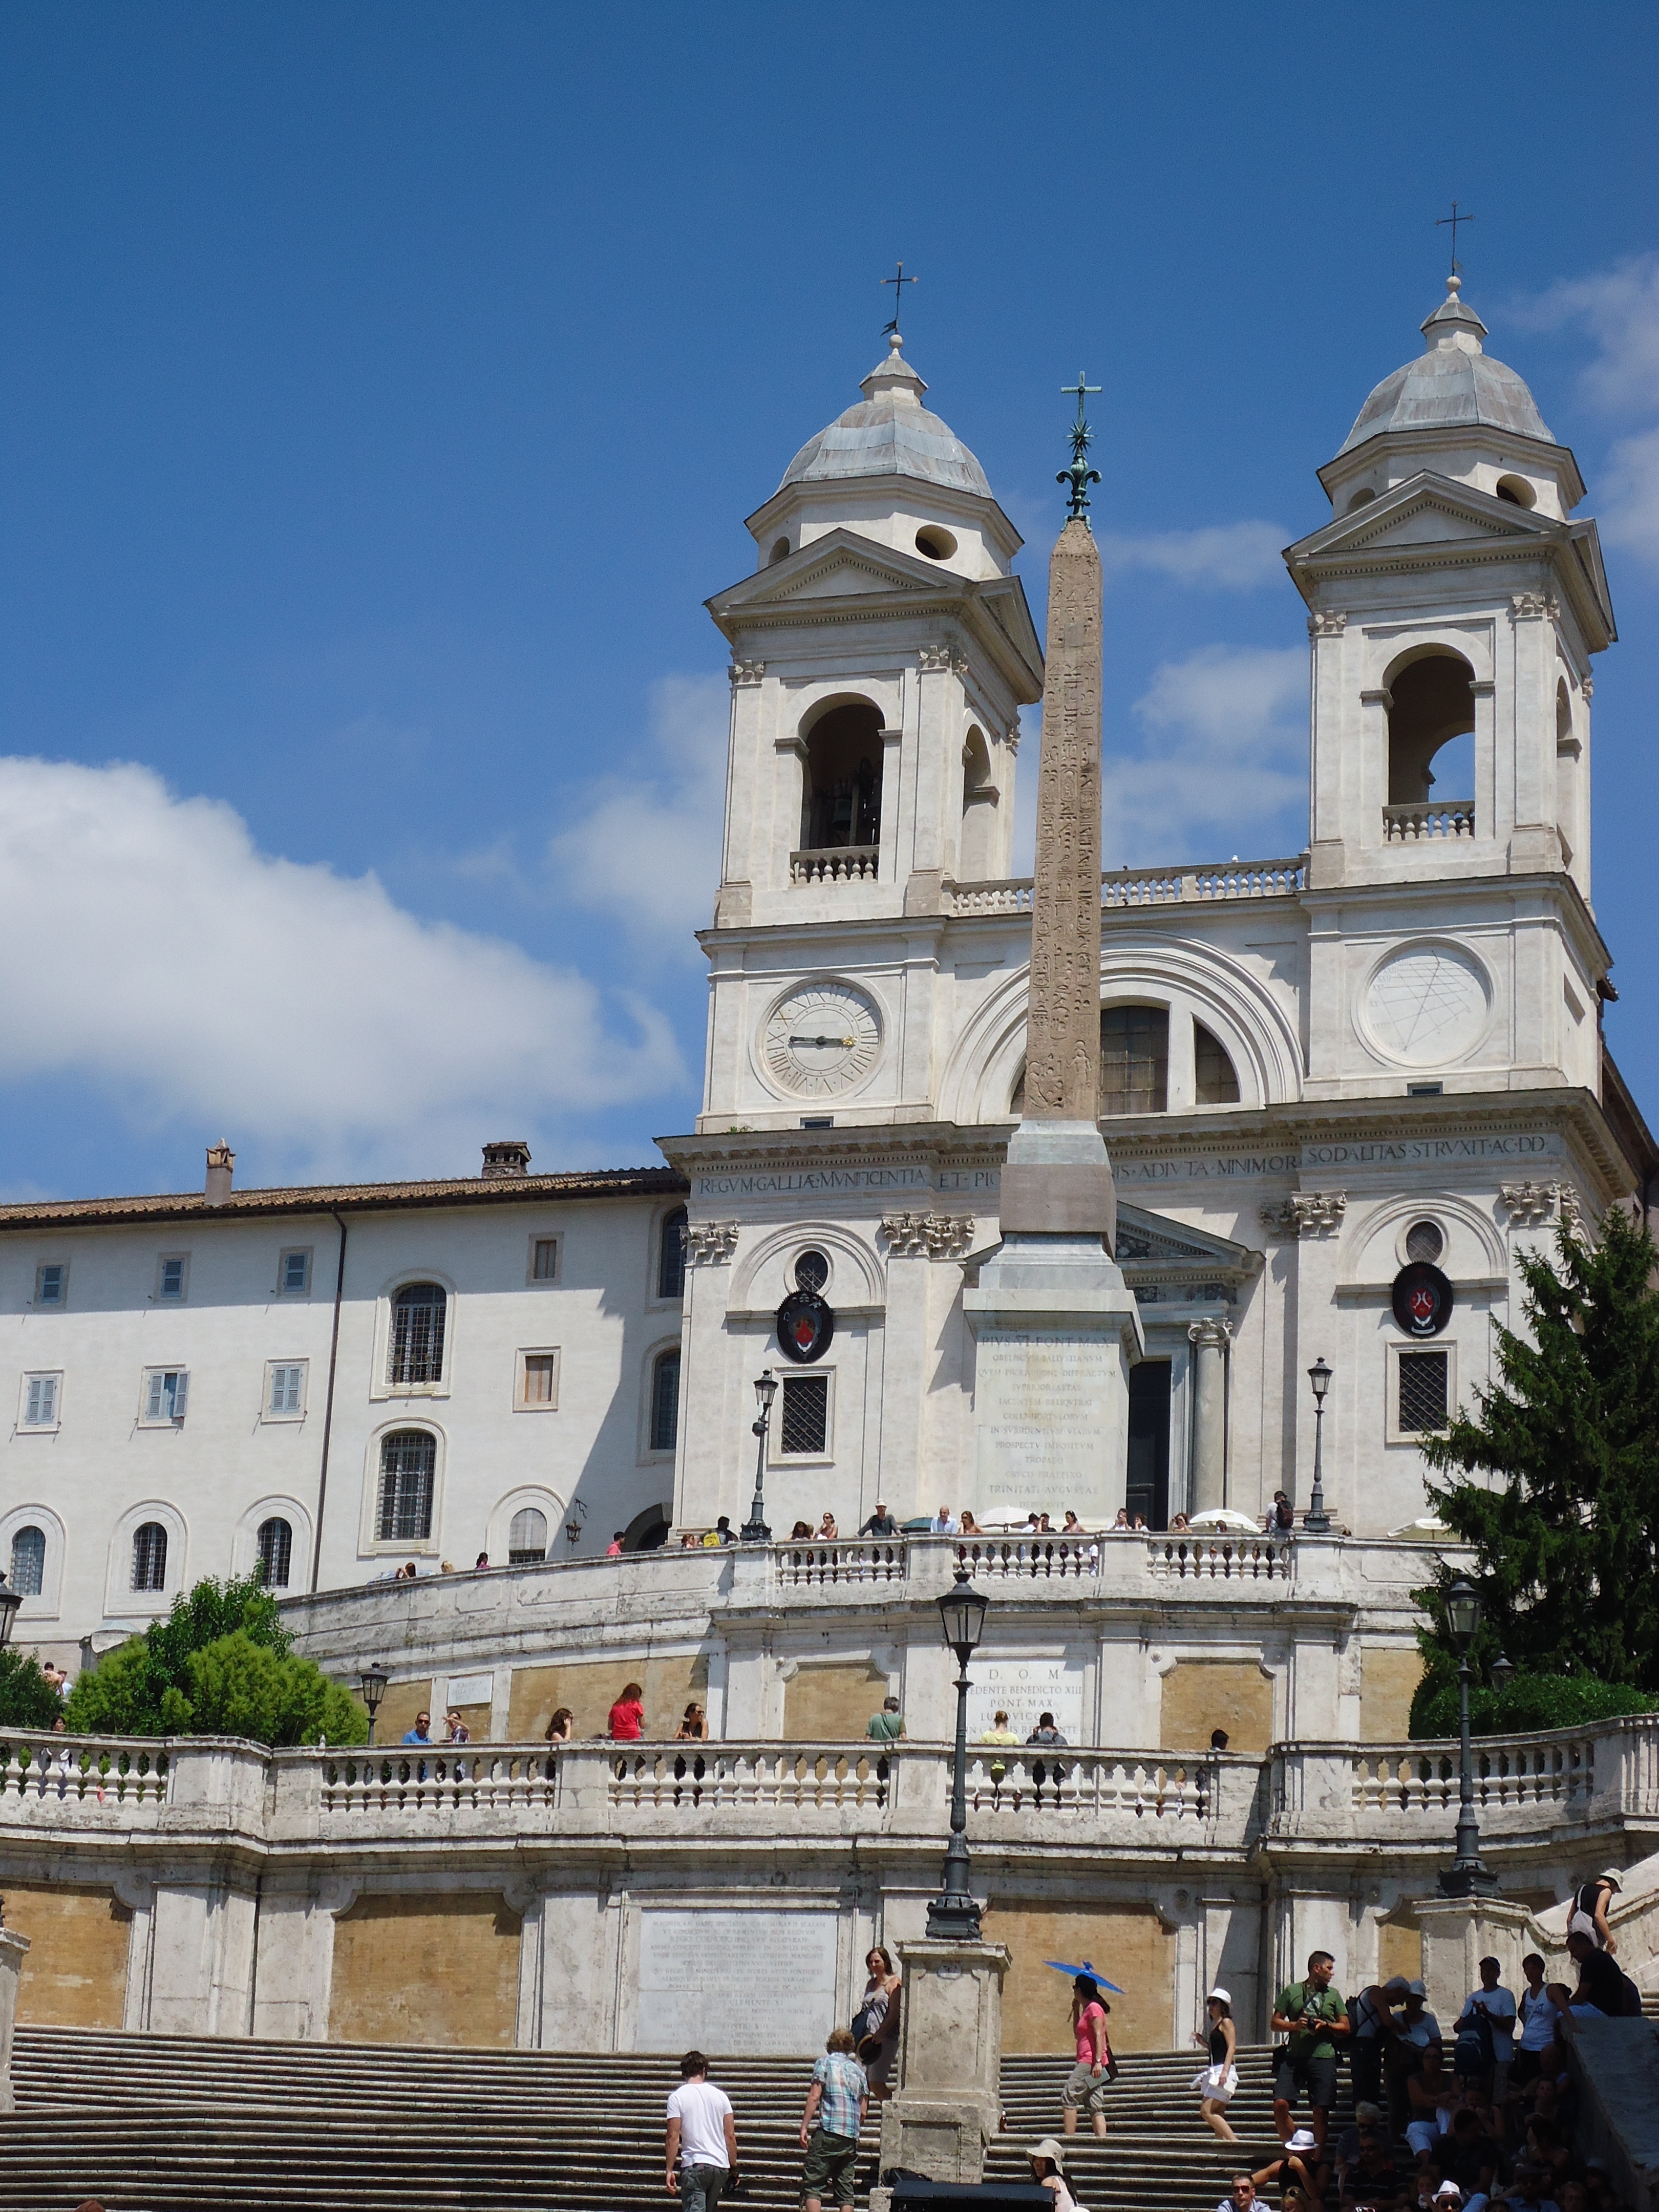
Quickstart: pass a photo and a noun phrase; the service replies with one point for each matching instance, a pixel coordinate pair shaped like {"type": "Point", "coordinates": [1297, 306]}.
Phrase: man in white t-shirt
{"type": "Point", "coordinates": [701, 2153]}
{"type": "Point", "coordinates": [1498, 2006]}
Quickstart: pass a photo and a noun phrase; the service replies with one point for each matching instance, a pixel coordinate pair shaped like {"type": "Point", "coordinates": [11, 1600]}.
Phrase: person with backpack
{"type": "Point", "coordinates": [1371, 2022]}
{"type": "Point", "coordinates": [1313, 2017]}
{"type": "Point", "coordinates": [1486, 2035]}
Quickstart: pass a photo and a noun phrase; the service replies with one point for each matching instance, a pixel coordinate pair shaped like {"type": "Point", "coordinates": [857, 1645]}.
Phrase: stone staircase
{"type": "Point", "coordinates": [176, 2123]}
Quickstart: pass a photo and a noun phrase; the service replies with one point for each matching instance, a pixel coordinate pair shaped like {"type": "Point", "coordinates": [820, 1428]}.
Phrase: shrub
{"type": "Point", "coordinates": [1525, 1703]}
{"type": "Point", "coordinates": [238, 1687]}
{"type": "Point", "coordinates": [26, 1698]}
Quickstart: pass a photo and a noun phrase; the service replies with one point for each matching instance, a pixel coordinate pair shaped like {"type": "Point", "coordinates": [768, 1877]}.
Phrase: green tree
{"type": "Point", "coordinates": [27, 1700]}
{"type": "Point", "coordinates": [1564, 1525]}
{"type": "Point", "coordinates": [220, 1664]}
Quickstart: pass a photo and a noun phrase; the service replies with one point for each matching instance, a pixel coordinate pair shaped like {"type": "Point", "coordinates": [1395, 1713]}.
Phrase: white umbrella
{"type": "Point", "coordinates": [1005, 1524]}
{"type": "Point", "coordinates": [1223, 1520]}
{"type": "Point", "coordinates": [1428, 1530]}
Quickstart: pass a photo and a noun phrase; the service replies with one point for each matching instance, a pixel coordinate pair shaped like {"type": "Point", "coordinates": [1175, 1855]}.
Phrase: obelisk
{"type": "Point", "coordinates": [1055, 1324]}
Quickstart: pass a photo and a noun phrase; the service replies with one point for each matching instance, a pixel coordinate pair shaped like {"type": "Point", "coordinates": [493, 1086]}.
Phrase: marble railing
{"type": "Point", "coordinates": [1124, 887]}
{"type": "Point", "coordinates": [1115, 1561]}
{"type": "Point", "coordinates": [1428, 817]}
{"type": "Point", "coordinates": [809, 1566]}
{"type": "Point", "coordinates": [126, 1775]}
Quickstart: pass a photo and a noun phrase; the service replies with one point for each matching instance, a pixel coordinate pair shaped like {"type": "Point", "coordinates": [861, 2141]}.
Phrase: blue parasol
{"type": "Point", "coordinates": [1093, 1972]}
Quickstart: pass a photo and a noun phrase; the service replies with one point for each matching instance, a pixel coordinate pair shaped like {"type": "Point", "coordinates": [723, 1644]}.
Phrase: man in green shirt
{"type": "Point", "coordinates": [1312, 2014]}
{"type": "Point", "coordinates": [887, 1725]}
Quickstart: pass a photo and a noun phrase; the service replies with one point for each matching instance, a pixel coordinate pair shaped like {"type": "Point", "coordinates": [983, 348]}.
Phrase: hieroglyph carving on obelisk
{"type": "Point", "coordinates": [1062, 1068]}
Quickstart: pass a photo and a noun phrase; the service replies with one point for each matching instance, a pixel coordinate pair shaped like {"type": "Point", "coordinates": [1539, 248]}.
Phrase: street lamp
{"type": "Point", "coordinates": [953, 1917]}
{"type": "Point", "coordinates": [375, 1682]}
{"type": "Point", "coordinates": [9, 1601]}
{"type": "Point", "coordinates": [1317, 1520]}
{"type": "Point", "coordinates": [1502, 1673]}
{"type": "Point", "coordinates": [754, 1530]}
{"type": "Point", "coordinates": [1466, 1876]}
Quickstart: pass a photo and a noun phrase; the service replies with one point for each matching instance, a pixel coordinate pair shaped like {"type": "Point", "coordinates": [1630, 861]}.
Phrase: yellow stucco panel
{"type": "Point", "coordinates": [590, 1688]}
{"type": "Point", "coordinates": [1202, 1695]}
{"type": "Point", "coordinates": [76, 1974]}
{"type": "Point", "coordinates": [1389, 1676]}
{"type": "Point", "coordinates": [1128, 1943]}
{"type": "Point", "coordinates": [830, 1705]}
{"type": "Point", "coordinates": [438, 1967]}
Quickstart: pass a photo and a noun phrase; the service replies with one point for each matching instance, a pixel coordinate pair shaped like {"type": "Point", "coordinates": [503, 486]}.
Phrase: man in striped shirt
{"type": "Point", "coordinates": [830, 2126]}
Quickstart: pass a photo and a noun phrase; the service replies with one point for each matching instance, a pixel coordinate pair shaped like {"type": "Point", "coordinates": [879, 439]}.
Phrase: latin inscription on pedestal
{"type": "Point", "coordinates": [1024, 1689]}
{"type": "Point", "coordinates": [752, 1985]}
{"type": "Point", "coordinates": [1044, 1408]}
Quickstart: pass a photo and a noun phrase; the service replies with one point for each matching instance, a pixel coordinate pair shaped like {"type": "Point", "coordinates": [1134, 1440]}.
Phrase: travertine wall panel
{"type": "Point", "coordinates": [76, 1974]}
{"type": "Point", "coordinates": [1399, 1949]}
{"type": "Point", "coordinates": [824, 1705]}
{"type": "Point", "coordinates": [1129, 1944]}
{"type": "Point", "coordinates": [590, 1687]}
{"type": "Point", "coordinates": [402, 1701]}
{"type": "Point", "coordinates": [1389, 1676]}
{"type": "Point", "coordinates": [1200, 1695]}
{"type": "Point", "coordinates": [438, 1967]}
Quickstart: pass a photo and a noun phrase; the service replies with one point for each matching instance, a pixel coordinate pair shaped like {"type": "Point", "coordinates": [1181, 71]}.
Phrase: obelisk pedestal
{"type": "Point", "coordinates": [948, 2102]}
{"type": "Point", "coordinates": [13, 1946]}
{"type": "Point", "coordinates": [1055, 1326]}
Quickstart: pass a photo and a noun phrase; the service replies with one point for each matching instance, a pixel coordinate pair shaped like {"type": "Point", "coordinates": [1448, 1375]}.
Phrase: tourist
{"type": "Point", "coordinates": [1219, 2078]}
{"type": "Point", "coordinates": [1372, 2177]}
{"type": "Point", "coordinates": [690, 1542]}
{"type": "Point", "coordinates": [1415, 2030]}
{"type": "Point", "coordinates": [481, 1563]}
{"type": "Point", "coordinates": [944, 1523]}
{"type": "Point", "coordinates": [1071, 1526]}
{"type": "Point", "coordinates": [700, 2155]}
{"type": "Point", "coordinates": [627, 1721]}
{"type": "Point", "coordinates": [801, 1533]}
{"type": "Point", "coordinates": [1180, 1525]}
{"type": "Point", "coordinates": [1591, 1905]}
{"type": "Point", "coordinates": [1120, 1525]}
{"type": "Point", "coordinates": [1493, 2004]}
{"type": "Point", "coordinates": [1601, 1980]}
{"type": "Point", "coordinates": [880, 1524]}
{"type": "Point", "coordinates": [1374, 2023]}
{"type": "Point", "coordinates": [1537, 2017]}
{"type": "Point", "coordinates": [1045, 1733]}
{"type": "Point", "coordinates": [998, 1732]}
{"type": "Point", "coordinates": [1428, 2101]}
{"type": "Point", "coordinates": [1219, 1739]}
{"type": "Point", "coordinates": [408, 1572]}
{"type": "Point", "coordinates": [1307, 2063]}
{"type": "Point", "coordinates": [1467, 2155]}
{"type": "Point", "coordinates": [694, 1725]}
{"type": "Point", "coordinates": [719, 1534]}
{"type": "Point", "coordinates": [1282, 1519]}
{"type": "Point", "coordinates": [1044, 1527]}
{"type": "Point", "coordinates": [827, 1532]}
{"type": "Point", "coordinates": [1086, 2082]}
{"type": "Point", "coordinates": [1139, 1525]}
{"type": "Point", "coordinates": [455, 1728]}
{"type": "Point", "coordinates": [887, 1725]}
{"type": "Point", "coordinates": [1242, 2197]}
{"type": "Point", "coordinates": [421, 1731]}
{"type": "Point", "coordinates": [613, 1550]}
{"type": "Point", "coordinates": [1293, 2167]}
{"type": "Point", "coordinates": [561, 1727]}
{"type": "Point", "coordinates": [1033, 1522]}
{"type": "Point", "coordinates": [969, 1526]}
{"type": "Point", "coordinates": [829, 2127]}
{"type": "Point", "coordinates": [1048, 2162]}
{"type": "Point", "coordinates": [876, 2023]}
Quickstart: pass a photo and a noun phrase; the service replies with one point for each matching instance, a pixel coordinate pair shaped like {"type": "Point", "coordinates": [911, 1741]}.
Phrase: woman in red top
{"type": "Point", "coordinates": [627, 1715]}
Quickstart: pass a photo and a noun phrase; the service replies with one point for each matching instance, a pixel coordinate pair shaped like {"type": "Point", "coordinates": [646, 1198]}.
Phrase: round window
{"type": "Point", "coordinates": [1424, 1240]}
{"type": "Point", "coordinates": [811, 1272]}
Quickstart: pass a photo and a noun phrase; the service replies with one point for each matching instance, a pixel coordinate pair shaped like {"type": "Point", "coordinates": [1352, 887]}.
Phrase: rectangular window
{"type": "Point", "coordinates": [1134, 1059]}
{"type": "Point", "coordinates": [166, 1390]}
{"type": "Point", "coordinates": [804, 1428]}
{"type": "Point", "coordinates": [293, 1274]}
{"type": "Point", "coordinates": [666, 1402]}
{"type": "Point", "coordinates": [171, 1274]}
{"type": "Point", "coordinates": [543, 1259]}
{"type": "Point", "coordinates": [52, 1283]}
{"type": "Point", "coordinates": [287, 1390]}
{"type": "Point", "coordinates": [408, 1478]}
{"type": "Point", "coordinates": [1422, 1393]}
{"type": "Point", "coordinates": [40, 1395]}
{"type": "Point", "coordinates": [538, 1379]}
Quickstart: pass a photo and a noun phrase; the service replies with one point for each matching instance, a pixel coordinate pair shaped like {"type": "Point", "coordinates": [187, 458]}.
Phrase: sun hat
{"type": "Point", "coordinates": [1226, 1996]}
{"type": "Point", "coordinates": [1304, 2139]}
{"type": "Point", "coordinates": [1048, 2148]}
{"type": "Point", "coordinates": [1610, 1874]}
{"type": "Point", "coordinates": [1448, 2189]}
{"type": "Point", "coordinates": [1415, 1989]}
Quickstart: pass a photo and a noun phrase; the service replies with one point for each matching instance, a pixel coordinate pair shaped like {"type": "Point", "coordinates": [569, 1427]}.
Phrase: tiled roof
{"type": "Point", "coordinates": [348, 1197]}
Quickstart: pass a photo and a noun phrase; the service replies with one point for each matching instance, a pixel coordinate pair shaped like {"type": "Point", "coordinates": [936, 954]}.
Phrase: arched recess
{"type": "Point", "coordinates": [840, 750]}
{"type": "Point", "coordinates": [528, 1498]}
{"type": "Point", "coordinates": [979, 848]}
{"type": "Point", "coordinates": [1369, 1248]}
{"type": "Point", "coordinates": [1431, 705]}
{"type": "Point", "coordinates": [244, 1544]}
{"type": "Point", "coordinates": [765, 1275]}
{"type": "Point", "coordinates": [46, 1603]}
{"type": "Point", "coordinates": [1234, 1004]}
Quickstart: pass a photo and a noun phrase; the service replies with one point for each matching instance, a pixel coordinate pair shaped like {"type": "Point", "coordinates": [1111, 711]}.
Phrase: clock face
{"type": "Point", "coordinates": [1427, 1005]}
{"type": "Point", "coordinates": [821, 1041]}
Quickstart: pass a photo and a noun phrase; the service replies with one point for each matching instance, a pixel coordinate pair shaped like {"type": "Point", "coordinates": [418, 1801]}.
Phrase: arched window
{"type": "Point", "coordinates": [665, 1402]}
{"type": "Point", "coordinates": [977, 855]}
{"type": "Point", "coordinates": [418, 1334]}
{"type": "Point", "coordinates": [1215, 1079]}
{"type": "Point", "coordinates": [840, 798]}
{"type": "Point", "coordinates": [526, 1539]}
{"type": "Point", "coordinates": [408, 1461]}
{"type": "Point", "coordinates": [671, 1255]}
{"type": "Point", "coordinates": [150, 1557]}
{"type": "Point", "coordinates": [1134, 1059]}
{"type": "Point", "coordinates": [1433, 702]}
{"type": "Point", "coordinates": [28, 1562]}
{"type": "Point", "coordinates": [276, 1542]}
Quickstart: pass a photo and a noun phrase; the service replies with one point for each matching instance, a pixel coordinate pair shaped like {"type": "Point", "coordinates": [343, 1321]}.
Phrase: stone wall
{"type": "Point", "coordinates": [440, 1966]}
{"type": "Point", "coordinates": [76, 1974]}
{"type": "Point", "coordinates": [1129, 1944]}
{"type": "Point", "coordinates": [1202, 1695]}
{"type": "Point", "coordinates": [590, 1687]}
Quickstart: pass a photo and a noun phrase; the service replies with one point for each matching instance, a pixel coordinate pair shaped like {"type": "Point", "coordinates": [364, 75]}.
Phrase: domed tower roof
{"type": "Point", "coordinates": [1451, 382]}
{"type": "Point", "coordinates": [890, 433]}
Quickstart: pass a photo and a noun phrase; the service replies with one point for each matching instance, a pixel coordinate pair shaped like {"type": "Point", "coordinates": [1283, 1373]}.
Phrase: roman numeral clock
{"type": "Point", "coordinates": [822, 1041]}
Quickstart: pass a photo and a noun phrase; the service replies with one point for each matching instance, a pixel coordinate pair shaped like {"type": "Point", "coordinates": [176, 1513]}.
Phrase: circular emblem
{"type": "Point", "coordinates": [805, 1325]}
{"type": "Point", "coordinates": [1427, 1005]}
{"type": "Point", "coordinates": [822, 1041]}
{"type": "Point", "coordinates": [1422, 1299]}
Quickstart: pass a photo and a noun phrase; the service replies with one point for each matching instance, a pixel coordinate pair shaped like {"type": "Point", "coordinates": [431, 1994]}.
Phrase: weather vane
{"type": "Point", "coordinates": [891, 330]}
{"type": "Point", "coordinates": [1454, 219]}
{"type": "Point", "coordinates": [1080, 476]}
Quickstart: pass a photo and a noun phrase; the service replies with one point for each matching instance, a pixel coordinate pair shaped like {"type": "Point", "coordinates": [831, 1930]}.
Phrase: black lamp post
{"type": "Point", "coordinates": [754, 1530]}
{"type": "Point", "coordinates": [953, 1917]}
{"type": "Point", "coordinates": [375, 1681]}
{"type": "Point", "coordinates": [9, 1601]}
{"type": "Point", "coordinates": [1466, 1876]}
{"type": "Point", "coordinates": [1317, 1520]}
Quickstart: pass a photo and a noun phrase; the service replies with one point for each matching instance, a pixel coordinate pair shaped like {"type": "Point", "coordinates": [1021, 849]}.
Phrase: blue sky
{"type": "Point", "coordinates": [384, 387]}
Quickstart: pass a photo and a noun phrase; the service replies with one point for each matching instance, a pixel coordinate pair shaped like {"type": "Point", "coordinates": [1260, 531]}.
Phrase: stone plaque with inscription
{"type": "Point", "coordinates": [1024, 1689]}
{"type": "Point", "coordinates": [748, 1985]}
{"type": "Point", "coordinates": [1044, 1408]}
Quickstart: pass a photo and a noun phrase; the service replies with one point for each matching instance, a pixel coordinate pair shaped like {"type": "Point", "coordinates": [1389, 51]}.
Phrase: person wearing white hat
{"type": "Point", "coordinates": [1049, 2172]}
{"type": "Point", "coordinates": [1591, 1903]}
{"type": "Point", "coordinates": [1219, 2078]}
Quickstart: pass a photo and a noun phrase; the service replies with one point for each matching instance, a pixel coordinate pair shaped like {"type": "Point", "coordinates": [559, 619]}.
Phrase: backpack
{"type": "Point", "coordinates": [1474, 2053]}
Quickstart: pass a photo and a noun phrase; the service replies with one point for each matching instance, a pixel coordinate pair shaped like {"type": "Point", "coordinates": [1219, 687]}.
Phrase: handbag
{"type": "Point", "coordinates": [860, 2024]}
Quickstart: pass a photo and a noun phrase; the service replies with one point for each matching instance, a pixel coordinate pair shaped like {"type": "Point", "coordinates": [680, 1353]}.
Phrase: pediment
{"type": "Point", "coordinates": [1149, 1247]}
{"type": "Point", "coordinates": [843, 565]}
{"type": "Point", "coordinates": [1428, 510]}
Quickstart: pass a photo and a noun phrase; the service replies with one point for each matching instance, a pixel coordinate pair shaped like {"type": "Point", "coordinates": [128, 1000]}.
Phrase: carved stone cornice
{"type": "Point", "coordinates": [1306, 1213]}
{"type": "Point", "coordinates": [1530, 1205]}
{"type": "Point", "coordinates": [746, 671]}
{"type": "Point", "coordinates": [1330, 624]}
{"type": "Point", "coordinates": [928, 1236]}
{"type": "Point", "coordinates": [930, 658]}
{"type": "Point", "coordinates": [1533, 606]}
{"type": "Point", "coordinates": [710, 1244]}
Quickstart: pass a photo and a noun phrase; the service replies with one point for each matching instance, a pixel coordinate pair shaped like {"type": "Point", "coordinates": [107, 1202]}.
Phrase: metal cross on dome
{"type": "Point", "coordinates": [1454, 219]}
{"type": "Point", "coordinates": [1080, 476]}
{"type": "Point", "coordinates": [898, 282]}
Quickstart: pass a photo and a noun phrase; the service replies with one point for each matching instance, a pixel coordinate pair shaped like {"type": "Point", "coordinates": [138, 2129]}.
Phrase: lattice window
{"type": "Point", "coordinates": [28, 1562]}
{"type": "Point", "coordinates": [1215, 1079]}
{"type": "Point", "coordinates": [671, 1256]}
{"type": "Point", "coordinates": [1134, 1059]}
{"type": "Point", "coordinates": [409, 1461]}
{"type": "Point", "coordinates": [276, 1542]}
{"type": "Point", "coordinates": [1424, 1240]}
{"type": "Point", "coordinates": [526, 1539]}
{"type": "Point", "coordinates": [666, 1402]}
{"type": "Point", "coordinates": [1423, 1379]}
{"type": "Point", "coordinates": [418, 1334]}
{"type": "Point", "coordinates": [806, 1424]}
{"type": "Point", "coordinates": [150, 1557]}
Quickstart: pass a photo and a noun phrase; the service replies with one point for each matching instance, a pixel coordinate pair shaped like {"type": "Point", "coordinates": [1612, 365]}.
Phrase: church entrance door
{"type": "Point", "coordinates": [1147, 1489]}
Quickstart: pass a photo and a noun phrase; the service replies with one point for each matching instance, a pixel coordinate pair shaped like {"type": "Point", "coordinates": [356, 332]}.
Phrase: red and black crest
{"type": "Point", "coordinates": [805, 1326]}
{"type": "Point", "coordinates": [1422, 1299]}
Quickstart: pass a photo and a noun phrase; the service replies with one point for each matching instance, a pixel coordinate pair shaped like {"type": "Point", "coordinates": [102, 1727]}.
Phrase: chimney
{"type": "Point", "coordinates": [508, 1156]}
{"type": "Point", "coordinates": [220, 1165]}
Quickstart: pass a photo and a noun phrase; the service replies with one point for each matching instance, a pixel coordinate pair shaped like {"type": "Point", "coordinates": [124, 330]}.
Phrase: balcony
{"type": "Point", "coordinates": [835, 864]}
{"type": "Point", "coordinates": [1428, 817]}
{"type": "Point", "coordinates": [1206, 885]}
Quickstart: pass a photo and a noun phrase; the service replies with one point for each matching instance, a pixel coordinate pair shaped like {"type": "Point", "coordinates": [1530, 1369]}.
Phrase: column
{"type": "Point", "coordinates": [1210, 1339]}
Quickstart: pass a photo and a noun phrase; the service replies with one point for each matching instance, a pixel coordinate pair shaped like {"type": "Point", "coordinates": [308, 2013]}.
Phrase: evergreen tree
{"type": "Point", "coordinates": [1565, 1527]}
{"type": "Point", "coordinates": [26, 1698]}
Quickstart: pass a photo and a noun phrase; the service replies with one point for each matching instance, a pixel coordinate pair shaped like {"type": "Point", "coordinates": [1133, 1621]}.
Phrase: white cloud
{"type": "Point", "coordinates": [148, 945]}
{"type": "Point", "coordinates": [1222, 765]}
{"type": "Point", "coordinates": [1619, 308]}
{"type": "Point", "coordinates": [1236, 556]}
{"type": "Point", "coordinates": [649, 849]}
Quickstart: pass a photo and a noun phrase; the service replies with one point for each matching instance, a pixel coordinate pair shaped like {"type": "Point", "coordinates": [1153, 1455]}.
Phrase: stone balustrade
{"type": "Point", "coordinates": [1136, 887]}
{"type": "Point", "coordinates": [835, 864]}
{"type": "Point", "coordinates": [1428, 817]}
